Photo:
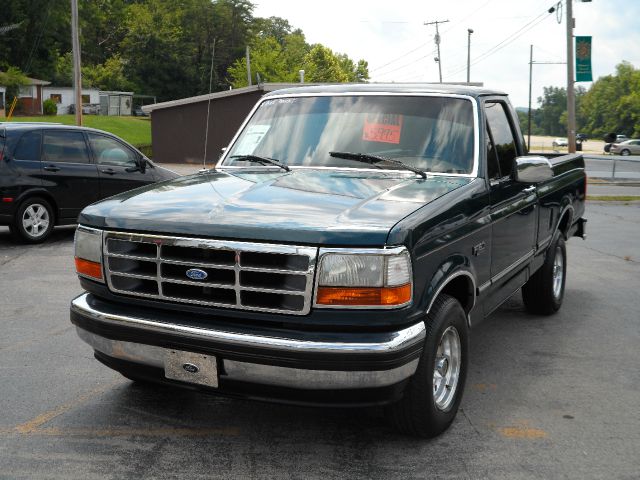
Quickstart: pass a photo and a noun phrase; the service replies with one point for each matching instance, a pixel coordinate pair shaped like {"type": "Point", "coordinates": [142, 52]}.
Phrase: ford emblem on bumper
{"type": "Point", "coordinates": [196, 274]}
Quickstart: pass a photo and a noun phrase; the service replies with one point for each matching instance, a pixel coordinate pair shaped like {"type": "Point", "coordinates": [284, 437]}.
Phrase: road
{"type": "Point", "coordinates": [553, 397]}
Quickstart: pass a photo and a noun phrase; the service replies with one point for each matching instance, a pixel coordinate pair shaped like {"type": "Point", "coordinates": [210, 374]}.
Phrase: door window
{"type": "Point", "coordinates": [28, 147]}
{"type": "Point", "coordinates": [493, 169]}
{"type": "Point", "coordinates": [502, 135]}
{"type": "Point", "coordinates": [108, 151]}
{"type": "Point", "coordinates": [64, 147]}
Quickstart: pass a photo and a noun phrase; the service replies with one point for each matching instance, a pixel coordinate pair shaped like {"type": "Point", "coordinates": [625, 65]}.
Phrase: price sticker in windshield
{"type": "Point", "coordinates": [384, 128]}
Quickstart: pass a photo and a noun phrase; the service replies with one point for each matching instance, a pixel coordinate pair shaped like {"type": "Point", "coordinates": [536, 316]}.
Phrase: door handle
{"type": "Point", "coordinates": [52, 168]}
{"type": "Point", "coordinates": [530, 189]}
{"type": "Point", "coordinates": [109, 171]}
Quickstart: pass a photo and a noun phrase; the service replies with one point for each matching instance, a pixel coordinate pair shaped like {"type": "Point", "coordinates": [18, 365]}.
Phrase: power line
{"type": "Point", "coordinates": [508, 40]}
{"type": "Point", "coordinates": [400, 57]}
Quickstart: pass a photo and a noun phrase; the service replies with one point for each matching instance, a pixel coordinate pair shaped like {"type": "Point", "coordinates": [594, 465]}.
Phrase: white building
{"type": "Point", "coordinates": [64, 98]}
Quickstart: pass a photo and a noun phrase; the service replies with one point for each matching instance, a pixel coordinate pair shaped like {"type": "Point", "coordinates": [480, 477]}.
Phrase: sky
{"type": "Point", "coordinates": [392, 37]}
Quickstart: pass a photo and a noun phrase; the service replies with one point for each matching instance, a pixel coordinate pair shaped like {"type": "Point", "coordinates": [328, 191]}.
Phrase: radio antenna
{"type": "Point", "coordinates": [206, 131]}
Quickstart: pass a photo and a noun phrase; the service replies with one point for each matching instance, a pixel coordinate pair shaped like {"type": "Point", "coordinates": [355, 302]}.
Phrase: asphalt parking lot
{"type": "Point", "coordinates": [553, 397]}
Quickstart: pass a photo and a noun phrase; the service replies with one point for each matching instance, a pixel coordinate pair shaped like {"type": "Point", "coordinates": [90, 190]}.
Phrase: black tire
{"type": "Point", "coordinates": [625, 152]}
{"type": "Point", "coordinates": [541, 295]}
{"type": "Point", "coordinates": [418, 413]}
{"type": "Point", "coordinates": [35, 234]}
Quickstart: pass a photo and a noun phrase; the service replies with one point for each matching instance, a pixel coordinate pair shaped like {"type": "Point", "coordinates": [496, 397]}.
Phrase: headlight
{"type": "Point", "coordinates": [88, 252]}
{"type": "Point", "coordinates": [364, 279]}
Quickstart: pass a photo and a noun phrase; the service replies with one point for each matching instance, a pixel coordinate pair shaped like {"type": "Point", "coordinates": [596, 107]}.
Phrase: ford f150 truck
{"type": "Point", "coordinates": [339, 252]}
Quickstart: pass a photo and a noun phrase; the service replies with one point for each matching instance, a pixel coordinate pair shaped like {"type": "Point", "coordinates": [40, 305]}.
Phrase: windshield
{"type": "Point", "coordinates": [433, 134]}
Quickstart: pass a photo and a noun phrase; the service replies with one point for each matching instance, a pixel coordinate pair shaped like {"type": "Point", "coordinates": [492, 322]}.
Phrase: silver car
{"type": "Point", "coordinates": [628, 147]}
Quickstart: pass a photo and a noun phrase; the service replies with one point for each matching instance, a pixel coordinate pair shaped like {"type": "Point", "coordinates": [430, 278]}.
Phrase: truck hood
{"type": "Point", "coordinates": [306, 206]}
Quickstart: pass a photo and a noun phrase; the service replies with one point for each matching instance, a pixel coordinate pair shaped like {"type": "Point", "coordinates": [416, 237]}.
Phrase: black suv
{"type": "Point", "coordinates": [49, 172]}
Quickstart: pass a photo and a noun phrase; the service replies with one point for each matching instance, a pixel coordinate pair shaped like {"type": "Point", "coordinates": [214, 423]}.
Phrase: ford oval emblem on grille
{"type": "Point", "coordinates": [196, 274]}
{"type": "Point", "coordinates": [190, 367]}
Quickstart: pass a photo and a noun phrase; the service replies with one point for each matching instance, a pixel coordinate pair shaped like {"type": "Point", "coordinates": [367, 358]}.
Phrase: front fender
{"type": "Point", "coordinates": [452, 268]}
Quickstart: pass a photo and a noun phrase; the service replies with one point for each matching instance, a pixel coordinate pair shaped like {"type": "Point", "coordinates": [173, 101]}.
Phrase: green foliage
{"type": "Point", "coordinates": [49, 107]}
{"type": "Point", "coordinates": [612, 105]}
{"type": "Point", "coordinates": [322, 65]}
{"type": "Point", "coordinates": [162, 47]}
{"type": "Point", "coordinates": [108, 76]}
{"type": "Point", "coordinates": [13, 79]}
{"type": "Point", "coordinates": [280, 57]}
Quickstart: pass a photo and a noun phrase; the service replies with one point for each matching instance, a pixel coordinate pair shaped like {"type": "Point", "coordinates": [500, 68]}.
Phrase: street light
{"type": "Point", "coordinates": [469, 32]}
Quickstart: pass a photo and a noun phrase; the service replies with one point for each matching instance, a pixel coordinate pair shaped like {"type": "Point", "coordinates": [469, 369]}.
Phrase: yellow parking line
{"type": "Point", "coordinates": [33, 424]}
{"type": "Point", "coordinates": [137, 432]}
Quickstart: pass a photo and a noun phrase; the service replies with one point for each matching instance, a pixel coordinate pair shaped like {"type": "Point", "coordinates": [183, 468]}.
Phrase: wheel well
{"type": "Point", "coordinates": [47, 196]}
{"type": "Point", "coordinates": [461, 288]}
{"type": "Point", "coordinates": [563, 226]}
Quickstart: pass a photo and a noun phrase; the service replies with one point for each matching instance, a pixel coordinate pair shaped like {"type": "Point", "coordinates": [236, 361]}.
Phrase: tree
{"type": "Point", "coordinates": [267, 60]}
{"type": "Point", "coordinates": [107, 76]}
{"type": "Point", "coordinates": [13, 79]}
{"type": "Point", "coordinates": [321, 65]}
{"type": "Point", "coordinates": [612, 105]}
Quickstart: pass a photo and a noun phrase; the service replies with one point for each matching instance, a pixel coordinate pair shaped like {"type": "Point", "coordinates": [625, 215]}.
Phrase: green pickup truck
{"type": "Point", "coordinates": [339, 253]}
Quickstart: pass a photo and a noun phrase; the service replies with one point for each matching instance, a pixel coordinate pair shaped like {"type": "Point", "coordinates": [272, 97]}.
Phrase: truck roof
{"type": "Point", "coordinates": [407, 88]}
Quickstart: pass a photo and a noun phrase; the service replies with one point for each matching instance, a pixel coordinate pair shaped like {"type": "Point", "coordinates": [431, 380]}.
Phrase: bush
{"type": "Point", "coordinates": [49, 107]}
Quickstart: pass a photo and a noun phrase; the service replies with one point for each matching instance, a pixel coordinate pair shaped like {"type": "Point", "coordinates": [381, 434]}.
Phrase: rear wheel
{"type": "Point", "coordinates": [432, 398]}
{"type": "Point", "coordinates": [544, 291]}
{"type": "Point", "coordinates": [34, 220]}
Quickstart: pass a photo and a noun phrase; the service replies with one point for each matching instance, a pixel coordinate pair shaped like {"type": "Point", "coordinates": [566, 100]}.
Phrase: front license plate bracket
{"type": "Point", "coordinates": [191, 367]}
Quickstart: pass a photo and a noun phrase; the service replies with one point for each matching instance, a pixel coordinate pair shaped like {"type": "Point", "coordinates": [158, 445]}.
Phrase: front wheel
{"type": "Point", "coordinates": [544, 291]}
{"type": "Point", "coordinates": [33, 221]}
{"type": "Point", "coordinates": [625, 152]}
{"type": "Point", "coordinates": [432, 398]}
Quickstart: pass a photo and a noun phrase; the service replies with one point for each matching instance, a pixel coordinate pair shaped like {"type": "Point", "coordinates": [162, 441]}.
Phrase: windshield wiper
{"type": "Point", "coordinates": [374, 159]}
{"type": "Point", "coordinates": [259, 159]}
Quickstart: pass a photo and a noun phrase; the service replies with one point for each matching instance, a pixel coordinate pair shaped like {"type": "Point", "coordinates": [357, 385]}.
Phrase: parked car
{"type": "Point", "coordinates": [628, 147]}
{"type": "Point", "coordinates": [560, 142]}
{"type": "Point", "coordinates": [339, 253]}
{"type": "Point", "coordinates": [138, 112]}
{"type": "Point", "coordinates": [582, 137]}
{"type": "Point", "coordinates": [49, 173]}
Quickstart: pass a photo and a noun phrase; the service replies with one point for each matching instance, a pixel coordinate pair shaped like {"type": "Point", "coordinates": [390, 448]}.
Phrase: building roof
{"type": "Point", "coordinates": [263, 87]}
{"type": "Point", "coordinates": [35, 81]}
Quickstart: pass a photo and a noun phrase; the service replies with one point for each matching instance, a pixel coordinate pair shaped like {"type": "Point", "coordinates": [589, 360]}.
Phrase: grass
{"type": "Point", "coordinates": [614, 198]}
{"type": "Point", "coordinates": [135, 130]}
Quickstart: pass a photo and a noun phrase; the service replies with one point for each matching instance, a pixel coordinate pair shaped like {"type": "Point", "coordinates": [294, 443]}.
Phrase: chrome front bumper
{"type": "Point", "coordinates": [308, 378]}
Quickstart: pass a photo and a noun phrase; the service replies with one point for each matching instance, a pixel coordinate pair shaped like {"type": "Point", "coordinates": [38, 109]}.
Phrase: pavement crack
{"type": "Point", "coordinates": [625, 258]}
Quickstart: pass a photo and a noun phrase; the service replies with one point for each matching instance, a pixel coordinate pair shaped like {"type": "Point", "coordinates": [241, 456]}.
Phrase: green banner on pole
{"type": "Point", "coordinates": [583, 59]}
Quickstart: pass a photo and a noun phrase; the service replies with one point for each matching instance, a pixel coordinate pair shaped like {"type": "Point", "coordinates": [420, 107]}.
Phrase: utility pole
{"type": "Point", "coordinates": [530, 82]}
{"type": "Point", "coordinates": [469, 32]}
{"type": "Point", "coordinates": [437, 39]}
{"type": "Point", "coordinates": [248, 67]}
{"type": "Point", "coordinates": [571, 96]}
{"type": "Point", "coordinates": [531, 63]}
{"type": "Point", "coordinates": [77, 75]}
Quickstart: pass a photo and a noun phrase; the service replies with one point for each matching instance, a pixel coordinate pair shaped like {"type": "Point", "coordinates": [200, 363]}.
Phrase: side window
{"type": "Point", "coordinates": [64, 147]}
{"type": "Point", "coordinates": [108, 151]}
{"type": "Point", "coordinates": [28, 147]}
{"type": "Point", "coordinates": [502, 135]}
{"type": "Point", "coordinates": [493, 169]}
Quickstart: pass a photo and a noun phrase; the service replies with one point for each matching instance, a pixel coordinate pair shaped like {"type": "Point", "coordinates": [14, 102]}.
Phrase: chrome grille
{"type": "Point", "coordinates": [240, 275]}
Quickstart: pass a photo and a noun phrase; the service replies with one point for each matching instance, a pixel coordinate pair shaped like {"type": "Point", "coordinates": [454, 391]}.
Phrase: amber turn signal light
{"type": "Point", "coordinates": [89, 269]}
{"type": "Point", "coordinates": [369, 296]}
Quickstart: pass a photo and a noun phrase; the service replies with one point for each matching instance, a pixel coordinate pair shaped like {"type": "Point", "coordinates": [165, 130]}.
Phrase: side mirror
{"type": "Point", "coordinates": [140, 166]}
{"type": "Point", "coordinates": [533, 169]}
